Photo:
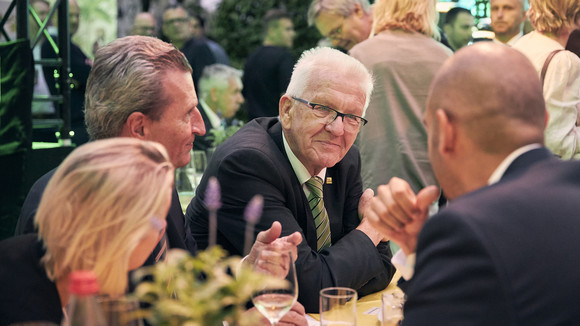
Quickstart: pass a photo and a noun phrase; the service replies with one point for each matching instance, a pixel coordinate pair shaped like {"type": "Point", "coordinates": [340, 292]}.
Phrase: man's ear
{"type": "Point", "coordinates": [135, 125]}
{"type": "Point", "coordinates": [446, 132]}
{"type": "Point", "coordinates": [213, 94]}
{"type": "Point", "coordinates": [285, 110]}
{"type": "Point", "coordinates": [358, 10]}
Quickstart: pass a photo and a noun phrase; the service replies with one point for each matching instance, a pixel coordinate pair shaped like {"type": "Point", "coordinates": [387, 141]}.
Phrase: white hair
{"type": "Point", "coordinates": [329, 59]}
{"type": "Point", "coordinates": [217, 76]}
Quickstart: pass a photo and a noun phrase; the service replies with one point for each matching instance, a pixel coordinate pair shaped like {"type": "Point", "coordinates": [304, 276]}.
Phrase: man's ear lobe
{"type": "Point", "coordinates": [285, 111]}
{"type": "Point", "coordinates": [447, 132]}
{"type": "Point", "coordinates": [135, 125]}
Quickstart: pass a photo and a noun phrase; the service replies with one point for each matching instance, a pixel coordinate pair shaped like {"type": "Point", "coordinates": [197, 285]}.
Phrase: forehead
{"type": "Point", "coordinates": [511, 3]}
{"type": "Point", "coordinates": [337, 90]}
{"type": "Point", "coordinates": [178, 88]}
{"type": "Point", "coordinates": [326, 22]}
{"type": "Point", "coordinates": [173, 13]}
{"type": "Point", "coordinates": [464, 18]}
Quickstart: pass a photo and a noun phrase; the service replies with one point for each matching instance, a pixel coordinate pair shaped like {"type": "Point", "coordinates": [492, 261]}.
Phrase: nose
{"type": "Point", "coordinates": [336, 127]}
{"type": "Point", "coordinates": [197, 125]}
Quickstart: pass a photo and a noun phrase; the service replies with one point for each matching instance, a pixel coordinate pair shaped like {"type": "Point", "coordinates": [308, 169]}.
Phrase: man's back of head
{"type": "Point", "coordinates": [344, 22]}
{"type": "Point", "coordinates": [488, 117]}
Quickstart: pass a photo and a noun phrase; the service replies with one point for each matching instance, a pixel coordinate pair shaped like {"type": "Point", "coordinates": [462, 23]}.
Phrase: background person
{"type": "Point", "coordinates": [394, 143]}
{"type": "Point", "coordinates": [344, 22]}
{"type": "Point", "coordinates": [554, 21]}
{"type": "Point", "coordinates": [458, 27]}
{"type": "Point", "coordinates": [220, 90]}
{"type": "Point", "coordinates": [144, 25]}
{"type": "Point", "coordinates": [507, 20]}
{"type": "Point", "coordinates": [268, 69]}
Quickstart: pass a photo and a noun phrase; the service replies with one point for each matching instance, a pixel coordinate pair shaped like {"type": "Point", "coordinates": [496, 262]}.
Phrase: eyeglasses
{"type": "Point", "coordinates": [176, 20]}
{"type": "Point", "coordinates": [351, 122]}
{"type": "Point", "coordinates": [336, 32]}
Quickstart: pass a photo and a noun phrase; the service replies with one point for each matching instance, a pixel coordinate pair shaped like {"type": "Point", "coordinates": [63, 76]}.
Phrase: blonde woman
{"type": "Point", "coordinates": [103, 210]}
{"type": "Point", "coordinates": [403, 57]}
{"type": "Point", "coordinates": [554, 21]}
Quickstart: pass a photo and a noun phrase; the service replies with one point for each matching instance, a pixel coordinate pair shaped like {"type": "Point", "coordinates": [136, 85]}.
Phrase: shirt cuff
{"type": "Point", "coordinates": [404, 264]}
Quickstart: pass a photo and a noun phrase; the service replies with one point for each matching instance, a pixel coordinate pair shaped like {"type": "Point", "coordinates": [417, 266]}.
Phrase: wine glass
{"type": "Point", "coordinates": [279, 291]}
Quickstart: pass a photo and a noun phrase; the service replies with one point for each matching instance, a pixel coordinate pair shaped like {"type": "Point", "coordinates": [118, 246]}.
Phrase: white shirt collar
{"type": "Point", "coordinates": [299, 168]}
{"type": "Point", "coordinates": [215, 121]}
{"type": "Point", "coordinates": [502, 167]}
{"type": "Point", "coordinates": [512, 41]}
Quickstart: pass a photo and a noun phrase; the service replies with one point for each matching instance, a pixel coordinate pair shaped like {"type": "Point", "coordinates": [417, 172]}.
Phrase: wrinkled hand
{"type": "Point", "coordinates": [269, 239]}
{"type": "Point", "coordinates": [295, 317]}
{"type": "Point", "coordinates": [400, 214]}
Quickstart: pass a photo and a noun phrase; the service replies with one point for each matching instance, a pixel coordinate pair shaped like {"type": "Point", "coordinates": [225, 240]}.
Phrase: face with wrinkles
{"type": "Point", "coordinates": [180, 120]}
{"type": "Point", "coordinates": [316, 144]}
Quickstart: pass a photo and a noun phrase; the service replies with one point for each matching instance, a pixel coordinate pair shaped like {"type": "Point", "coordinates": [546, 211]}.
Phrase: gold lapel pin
{"type": "Point", "coordinates": [328, 180]}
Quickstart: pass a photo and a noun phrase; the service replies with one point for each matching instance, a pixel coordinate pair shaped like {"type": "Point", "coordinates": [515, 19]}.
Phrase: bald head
{"type": "Point", "coordinates": [499, 112]}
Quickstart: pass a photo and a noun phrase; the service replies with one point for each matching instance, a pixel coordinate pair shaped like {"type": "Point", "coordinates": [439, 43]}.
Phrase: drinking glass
{"type": "Point", "coordinates": [198, 164]}
{"type": "Point", "coordinates": [120, 311]}
{"type": "Point", "coordinates": [280, 290]}
{"type": "Point", "coordinates": [392, 311]}
{"type": "Point", "coordinates": [338, 306]}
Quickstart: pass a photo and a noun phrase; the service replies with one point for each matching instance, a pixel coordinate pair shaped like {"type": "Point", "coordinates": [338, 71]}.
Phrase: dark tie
{"type": "Point", "coordinates": [316, 203]}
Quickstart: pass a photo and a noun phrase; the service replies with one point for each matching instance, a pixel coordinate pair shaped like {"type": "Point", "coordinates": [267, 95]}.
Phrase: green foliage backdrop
{"type": "Point", "coordinates": [237, 26]}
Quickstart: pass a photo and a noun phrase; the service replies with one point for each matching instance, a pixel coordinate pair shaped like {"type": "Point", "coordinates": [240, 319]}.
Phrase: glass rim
{"type": "Point", "coordinates": [347, 292]}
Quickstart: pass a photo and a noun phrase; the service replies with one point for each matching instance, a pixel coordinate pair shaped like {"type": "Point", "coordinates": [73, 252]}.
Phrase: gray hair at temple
{"type": "Point", "coordinates": [325, 59]}
{"type": "Point", "coordinates": [217, 76]}
{"type": "Point", "coordinates": [340, 7]}
{"type": "Point", "coordinates": [127, 77]}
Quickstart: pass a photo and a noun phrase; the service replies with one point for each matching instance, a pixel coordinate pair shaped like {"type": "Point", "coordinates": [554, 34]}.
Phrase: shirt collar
{"type": "Point", "coordinates": [215, 121]}
{"type": "Point", "coordinates": [299, 168]}
{"type": "Point", "coordinates": [502, 167]}
{"type": "Point", "coordinates": [512, 41]}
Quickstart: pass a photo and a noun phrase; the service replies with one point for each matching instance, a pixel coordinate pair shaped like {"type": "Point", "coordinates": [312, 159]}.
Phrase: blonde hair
{"type": "Point", "coordinates": [322, 59]}
{"type": "Point", "coordinates": [550, 16]}
{"type": "Point", "coordinates": [409, 15]}
{"type": "Point", "coordinates": [99, 204]}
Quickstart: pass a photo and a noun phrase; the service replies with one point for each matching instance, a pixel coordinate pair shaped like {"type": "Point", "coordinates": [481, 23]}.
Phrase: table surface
{"type": "Point", "coordinates": [367, 307]}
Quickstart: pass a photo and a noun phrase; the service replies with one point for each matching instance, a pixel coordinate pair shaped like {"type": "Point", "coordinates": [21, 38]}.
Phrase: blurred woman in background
{"type": "Point", "coordinates": [554, 21]}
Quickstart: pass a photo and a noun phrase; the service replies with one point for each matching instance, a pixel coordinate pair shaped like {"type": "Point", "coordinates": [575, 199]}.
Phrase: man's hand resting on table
{"type": "Point", "coordinates": [399, 213]}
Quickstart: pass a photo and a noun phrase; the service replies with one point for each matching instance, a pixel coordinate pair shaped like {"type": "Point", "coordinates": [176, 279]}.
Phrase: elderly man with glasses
{"type": "Point", "coordinates": [305, 167]}
{"type": "Point", "coordinates": [344, 22]}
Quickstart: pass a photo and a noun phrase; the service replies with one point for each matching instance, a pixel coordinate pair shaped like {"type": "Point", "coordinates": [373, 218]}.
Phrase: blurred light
{"type": "Point", "coordinates": [483, 34]}
{"type": "Point", "coordinates": [445, 6]}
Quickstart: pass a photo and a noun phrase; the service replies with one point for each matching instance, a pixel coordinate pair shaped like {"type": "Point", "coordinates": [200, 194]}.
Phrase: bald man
{"type": "Point", "coordinates": [144, 25]}
{"type": "Point", "coordinates": [504, 251]}
{"type": "Point", "coordinates": [507, 20]}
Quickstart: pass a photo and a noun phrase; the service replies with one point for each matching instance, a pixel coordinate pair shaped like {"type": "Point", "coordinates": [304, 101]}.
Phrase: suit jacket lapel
{"type": "Point", "coordinates": [306, 222]}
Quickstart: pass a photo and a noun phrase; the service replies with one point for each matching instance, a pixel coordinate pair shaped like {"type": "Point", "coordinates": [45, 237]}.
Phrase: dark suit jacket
{"type": "Point", "coordinates": [178, 234]}
{"type": "Point", "coordinates": [506, 254]}
{"type": "Point", "coordinates": [26, 293]}
{"type": "Point", "coordinates": [203, 142]}
{"type": "Point", "coordinates": [254, 161]}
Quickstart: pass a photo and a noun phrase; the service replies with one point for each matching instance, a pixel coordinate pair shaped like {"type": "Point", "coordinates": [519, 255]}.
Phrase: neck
{"type": "Point", "coordinates": [62, 287]}
{"type": "Point", "coordinates": [505, 37]}
{"type": "Point", "coordinates": [561, 36]}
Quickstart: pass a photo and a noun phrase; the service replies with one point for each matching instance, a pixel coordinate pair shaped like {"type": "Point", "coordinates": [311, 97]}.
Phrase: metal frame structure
{"type": "Point", "coordinates": [61, 48]}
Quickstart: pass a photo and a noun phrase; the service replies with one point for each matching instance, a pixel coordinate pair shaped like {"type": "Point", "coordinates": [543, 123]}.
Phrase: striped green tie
{"type": "Point", "coordinates": [316, 203]}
